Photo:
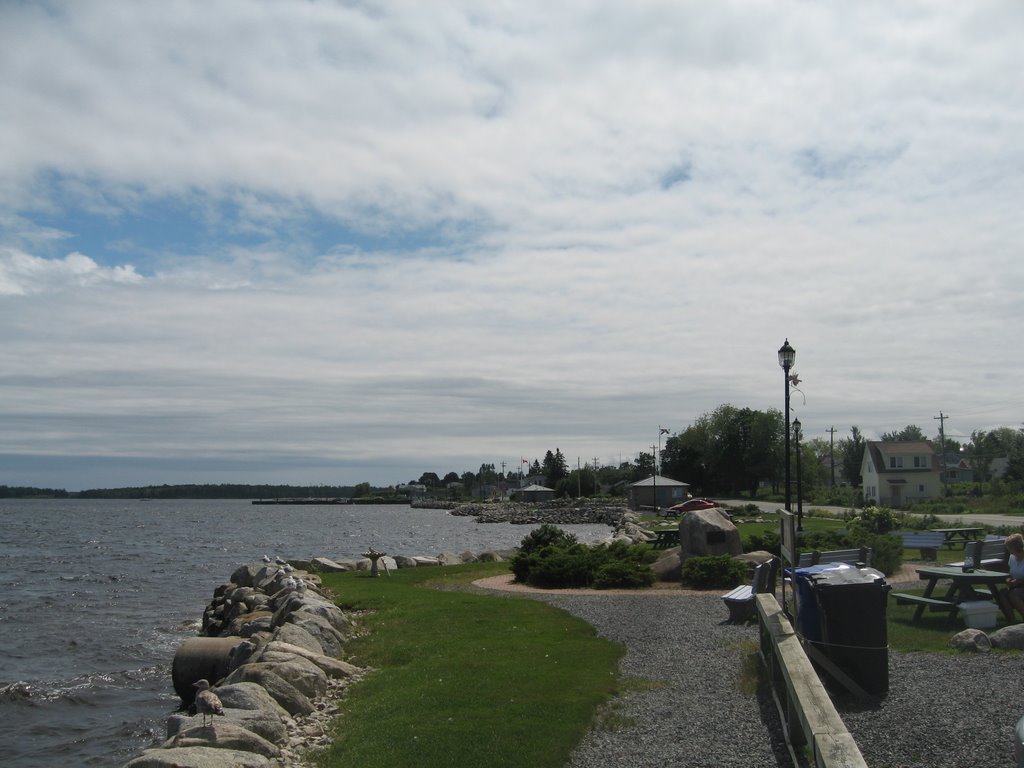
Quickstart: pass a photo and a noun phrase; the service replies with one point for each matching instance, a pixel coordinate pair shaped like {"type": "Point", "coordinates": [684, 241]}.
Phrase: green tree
{"type": "Point", "coordinates": [554, 468]}
{"type": "Point", "coordinates": [909, 434]}
{"type": "Point", "coordinates": [850, 452]}
{"type": "Point", "coordinates": [430, 479]}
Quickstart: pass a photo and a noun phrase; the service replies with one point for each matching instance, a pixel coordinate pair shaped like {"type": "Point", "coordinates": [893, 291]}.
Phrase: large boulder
{"type": "Point", "coordinates": [707, 532]}
{"type": "Point", "coordinates": [282, 691]}
{"type": "Point", "coordinates": [971, 640]}
{"type": "Point", "coordinates": [1009, 638]}
{"type": "Point", "coordinates": [251, 696]}
{"type": "Point", "coordinates": [264, 723]}
{"type": "Point", "coordinates": [198, 757]}
{"type": "Point", "coordinates": [325, 565]}
{"type": "Point", "coordinates": [669, 566]}
{"type": "Point", "coordinates": [331, 640]}
{"type": "Point", "coordinates": [293, 634]}
{"type": "Point", "coordinates": [335, 668]}
{"type": "Point", "coordinates": [223, 735]}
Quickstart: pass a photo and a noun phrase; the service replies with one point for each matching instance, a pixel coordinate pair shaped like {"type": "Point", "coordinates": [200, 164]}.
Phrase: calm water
{"type": "Point", "coordinates": [95, 597]}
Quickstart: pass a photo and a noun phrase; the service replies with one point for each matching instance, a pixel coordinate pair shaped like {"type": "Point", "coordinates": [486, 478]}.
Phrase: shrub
{"type": "Point", "coordinates": [875, 520]}
{"type": "Point", "coordinates": [544, 536]}
{"type": "Point", "coordinates": [554, 565]}
{"type": "Point", "coordinates": [886, 550]}
{"type": "Point", "coordinates": [767, 541]}
{"type": "Point", "coordinates": [714, 572]}
{"type": "Point", "coordinates": [622, 574]}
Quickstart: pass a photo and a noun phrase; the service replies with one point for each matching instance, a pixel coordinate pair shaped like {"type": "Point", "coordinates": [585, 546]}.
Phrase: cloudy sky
{"type": "Point", "coordinates": [328, 242]}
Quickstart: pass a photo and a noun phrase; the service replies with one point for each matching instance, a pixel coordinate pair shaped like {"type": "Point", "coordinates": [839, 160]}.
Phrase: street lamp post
{"type": "Point", "coordinates": [787, 356]}
{"type": "Point", "coordinates": [799, 478]}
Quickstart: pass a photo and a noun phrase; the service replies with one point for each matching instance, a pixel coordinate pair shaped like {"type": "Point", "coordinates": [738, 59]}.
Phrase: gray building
{"type": "Point", "coordinates": [657, 491]}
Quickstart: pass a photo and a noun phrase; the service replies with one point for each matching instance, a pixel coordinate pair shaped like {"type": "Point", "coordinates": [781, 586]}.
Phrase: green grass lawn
{"type": "Point", "coordinates": [465, 679]}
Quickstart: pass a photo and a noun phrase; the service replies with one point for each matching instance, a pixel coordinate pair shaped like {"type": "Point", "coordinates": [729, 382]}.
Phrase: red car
{"type": "Point", "coordinates": [690, 505]}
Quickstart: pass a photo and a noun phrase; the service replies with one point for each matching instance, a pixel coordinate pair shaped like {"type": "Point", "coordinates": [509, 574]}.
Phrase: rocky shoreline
{"type": "Point", "coordinates": [272, 645]}
{"type": "Point", "coordinates": [560, 512]}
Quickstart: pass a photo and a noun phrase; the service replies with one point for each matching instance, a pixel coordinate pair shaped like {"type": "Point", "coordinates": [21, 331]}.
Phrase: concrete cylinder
{"type": "Point", "coordinates": [201, 658]}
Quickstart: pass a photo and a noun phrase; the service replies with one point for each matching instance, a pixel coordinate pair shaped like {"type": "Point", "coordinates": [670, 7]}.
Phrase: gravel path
{"type": "Point", "coordinates": [698, 716]}
{"type": "Point", "coordinates": [942, 711]}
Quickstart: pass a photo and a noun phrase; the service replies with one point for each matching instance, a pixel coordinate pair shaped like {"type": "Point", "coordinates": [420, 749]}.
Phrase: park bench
{"type": "Point", "coordinates": [990, 554]}
{"type": "Point", "coordinates": [927, 542]}
{"type": "Point", "coordinates": [858, 557]}
{"type": "Point", "coordinates": [740, 601]}
{"type": "Point", "coordinates": [903, 598]}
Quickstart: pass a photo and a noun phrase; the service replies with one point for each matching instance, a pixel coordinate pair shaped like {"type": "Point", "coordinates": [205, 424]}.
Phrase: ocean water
{"type": "Point", "coordinates": [96, 596]}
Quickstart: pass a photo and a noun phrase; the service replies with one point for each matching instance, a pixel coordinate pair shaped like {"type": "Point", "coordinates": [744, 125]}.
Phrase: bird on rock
{"type": "Point", "coordinates": [207, 702]}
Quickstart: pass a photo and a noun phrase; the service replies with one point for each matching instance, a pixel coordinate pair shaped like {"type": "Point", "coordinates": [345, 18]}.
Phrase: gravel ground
{"type": "Point", "coordinates": [941, 711]}
{"type": "Point", "coordinates": [699, 716]}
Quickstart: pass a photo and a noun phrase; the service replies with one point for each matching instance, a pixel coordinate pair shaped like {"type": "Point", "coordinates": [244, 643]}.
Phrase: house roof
{"type": "Point", "coordinates": [878, 450]}
{"type": "Point", "coordinates": [662, 481]}
{"type": "Point", "coordinates": [536, 488]}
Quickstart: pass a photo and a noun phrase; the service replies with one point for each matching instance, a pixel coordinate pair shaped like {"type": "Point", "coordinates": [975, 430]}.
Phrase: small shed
{"type": "Point", "coordinates": [534, 493]}
{"type": "Point", "coordinates": [657, 491]}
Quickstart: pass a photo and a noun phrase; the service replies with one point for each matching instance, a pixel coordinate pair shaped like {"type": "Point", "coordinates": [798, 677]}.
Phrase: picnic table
{"type": "Point", "coordinates": [665, 538]}
{"type": "Point", "coordinates": [959, 535]}
{"type": "Point", "coordinates": [961, 589]}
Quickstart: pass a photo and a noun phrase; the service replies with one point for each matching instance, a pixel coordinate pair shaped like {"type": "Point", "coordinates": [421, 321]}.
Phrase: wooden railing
{"type": "Point", "coordinates": [809, 719]}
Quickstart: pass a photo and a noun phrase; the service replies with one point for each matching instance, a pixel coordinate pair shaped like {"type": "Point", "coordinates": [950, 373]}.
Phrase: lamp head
{"type": "Point", "coordinates": [787, 356]}
{"type": "Point", "coordinates": [796, 427]}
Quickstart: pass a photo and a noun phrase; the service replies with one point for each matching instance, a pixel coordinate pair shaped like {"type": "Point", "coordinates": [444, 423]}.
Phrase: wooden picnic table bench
{"type": "Point", "coordinates": [961, 588]}
{"type": "Point", "coordinates": [927, 542]}
{"type": "Point", "coordinates": [958, 535]}
{"type": "Point", "coordinates": [665, 538]}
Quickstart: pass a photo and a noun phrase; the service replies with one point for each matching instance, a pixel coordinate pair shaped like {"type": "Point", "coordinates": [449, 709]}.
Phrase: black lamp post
{"type": "Point", "coordinates": [787, 356]}
{"type": "Point", "coordinates": [799, 478]}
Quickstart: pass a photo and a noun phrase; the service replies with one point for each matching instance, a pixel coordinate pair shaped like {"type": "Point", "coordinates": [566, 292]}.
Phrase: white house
{"type": "Point", "coordinates": [900, 474]}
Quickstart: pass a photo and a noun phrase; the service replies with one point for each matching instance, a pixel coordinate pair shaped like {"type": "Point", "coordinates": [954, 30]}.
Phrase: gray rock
{"type": "Point", "coordinates": [707, 532]}
{"type": "Point", "coordinates": [297, 635]}
{"type": "Point", "coordinates": [264, 723]}
{"type": "Point", "coordinates": [490, 556]}
{"type": "Point", "coordinates": [334, 668]}
{"type": "Point", "coordinates": [426, 561]}
{"type": "Point", "coordinates": [302, 673]}
{"type": "Point", "coordinates": [198, 757]}
{"type": "Point", "coordinates": [971, 640]}
{"type": "Point", "coordinates": [282, 691]}
{"type": "Point", "coordinates": [449, 558]}
{"type": "Point", "coordinates": [403, 561]}
{"type": "Point", "coordinates": [250, 696]}
{"type": "Point", "coordinates": [223, 735]}
{"type": "Point", "coordinates": [245, 575]}
{"type": "Point", "coordinates": [668, 567]}
{"type": "Point", "coordinates": [324, 565]}
{"type": "Point", "coordinates": [331, 640]}
{"type": "Point", "coordinates": [257, 621]}
{"type": "Point", "coordinates": [332, 614]}
{"type": "Point", "coordinates": [1008, 638]}
{"type": "Point", "coordinates": [468, 557]}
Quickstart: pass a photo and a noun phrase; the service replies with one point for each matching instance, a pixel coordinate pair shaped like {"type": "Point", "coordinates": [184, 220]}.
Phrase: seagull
{"type": "Point", "coordinates": [266, 558]}
{"type": "Point", "coordinates": [207, 702]}
{"type": "Point", "coordinates": [279, 561]}
{"type": "Point", "coordinates": [300, 585]}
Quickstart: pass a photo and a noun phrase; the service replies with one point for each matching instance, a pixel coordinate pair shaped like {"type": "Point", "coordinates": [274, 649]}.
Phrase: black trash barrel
{"type": "Point", "coordinates": [852, 603]}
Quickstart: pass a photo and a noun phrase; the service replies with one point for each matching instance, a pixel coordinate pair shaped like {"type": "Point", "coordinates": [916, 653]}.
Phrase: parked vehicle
{"type": "Point", "coordinates": [691, 505]}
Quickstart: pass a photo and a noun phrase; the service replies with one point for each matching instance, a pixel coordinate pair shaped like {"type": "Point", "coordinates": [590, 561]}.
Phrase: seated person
{"type": "Point", "coordinates": [1015, 594]}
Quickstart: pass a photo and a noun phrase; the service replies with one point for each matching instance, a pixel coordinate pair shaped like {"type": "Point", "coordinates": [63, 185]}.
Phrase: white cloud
{"type": "Point", "coordinates": [629, 207]}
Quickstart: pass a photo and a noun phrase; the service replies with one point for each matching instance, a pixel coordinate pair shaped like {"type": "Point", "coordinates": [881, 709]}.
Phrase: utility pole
{"type": "Point", "coordinates": [941, 418]}
{"type": "Point", "coordinates": [831, 452]}
{"type": "Point", "coordinates": [579, 475]}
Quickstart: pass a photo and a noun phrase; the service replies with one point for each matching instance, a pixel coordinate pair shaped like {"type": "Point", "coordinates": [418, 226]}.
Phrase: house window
{"type": "Point", "coordinates": [921, 462]}
{"type": "Point", "coordinates": [895, 462]}
{"type": "Point", "coordinates": [920, 489]}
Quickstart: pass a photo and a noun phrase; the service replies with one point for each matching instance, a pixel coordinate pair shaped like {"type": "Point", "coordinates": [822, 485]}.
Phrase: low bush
{"type": "Point", "coordinates": [714, 572]}
{"type": "Point", "coordinates": [553, 561]}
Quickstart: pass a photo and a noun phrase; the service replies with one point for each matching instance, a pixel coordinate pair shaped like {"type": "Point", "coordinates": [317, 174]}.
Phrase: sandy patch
{"type": "Point", "coordinates": [504, 583]}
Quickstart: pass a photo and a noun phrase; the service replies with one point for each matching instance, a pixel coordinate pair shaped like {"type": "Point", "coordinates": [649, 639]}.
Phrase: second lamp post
{"type": "Point", "coordinates": [787, 356]}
